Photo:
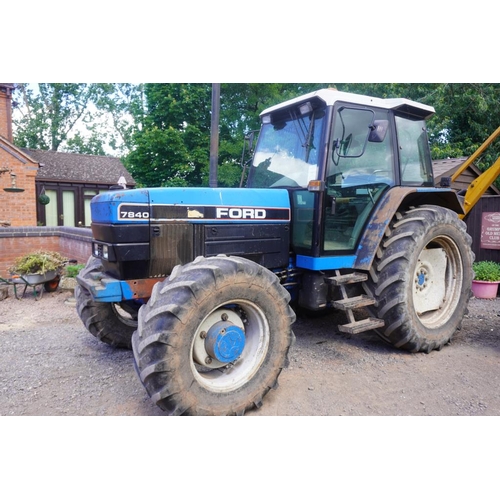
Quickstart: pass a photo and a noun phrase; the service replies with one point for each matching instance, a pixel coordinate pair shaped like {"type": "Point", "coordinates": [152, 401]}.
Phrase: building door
{"type": "Point", "coordinates": [61, 210]}
{"type": "Point", "coordinates": [67, 217]}
{"type": "Point", "coordinates": [51, 209]}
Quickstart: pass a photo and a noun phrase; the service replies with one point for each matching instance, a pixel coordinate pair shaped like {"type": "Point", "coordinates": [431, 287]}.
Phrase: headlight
{"type": "Point", "coordinates": [100, 250]}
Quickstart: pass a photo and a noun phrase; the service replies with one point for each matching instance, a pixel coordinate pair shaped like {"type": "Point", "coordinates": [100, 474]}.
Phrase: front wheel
{"type": "Point", "coordinates": [214, 337]}
{"type": "Point", "coordinates": [421, 278]}
{"type": "Point", "coordinates": [111, 322]}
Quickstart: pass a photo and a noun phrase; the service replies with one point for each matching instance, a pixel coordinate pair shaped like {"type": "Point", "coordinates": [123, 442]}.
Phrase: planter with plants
{"type": "Point", "coordinates": [486, 279]}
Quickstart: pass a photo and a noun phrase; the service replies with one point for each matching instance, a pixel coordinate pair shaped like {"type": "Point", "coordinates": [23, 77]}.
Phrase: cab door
{"type": "Point", "coordinates": [360, 168]}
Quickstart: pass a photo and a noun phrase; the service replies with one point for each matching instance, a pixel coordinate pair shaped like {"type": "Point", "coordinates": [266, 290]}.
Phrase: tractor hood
{"type": "Point", "coordinates": [197, 205]}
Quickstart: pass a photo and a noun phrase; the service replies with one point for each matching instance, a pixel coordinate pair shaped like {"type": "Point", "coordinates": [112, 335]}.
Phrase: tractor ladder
{"type": "Point", "coordinates": [349, 304]}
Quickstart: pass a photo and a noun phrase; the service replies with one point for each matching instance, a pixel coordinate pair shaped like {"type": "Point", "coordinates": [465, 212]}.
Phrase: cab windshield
{"type": "Point", "coordinates": [287, 151]}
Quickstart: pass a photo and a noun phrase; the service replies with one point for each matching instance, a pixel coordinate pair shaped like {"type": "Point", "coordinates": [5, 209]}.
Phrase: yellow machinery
{"type": "Point", "coordinates": [479, 186]}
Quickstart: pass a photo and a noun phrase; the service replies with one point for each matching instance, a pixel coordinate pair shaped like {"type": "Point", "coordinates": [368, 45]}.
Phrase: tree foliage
{"type": "Point", "coordinates": [50, 112]}
{"type": "Point", "coordinates": [76, 117]}
{"type": "Point", "coordinates": [173, 146]}
{"type": "Point", "coordinates": [162, 130]}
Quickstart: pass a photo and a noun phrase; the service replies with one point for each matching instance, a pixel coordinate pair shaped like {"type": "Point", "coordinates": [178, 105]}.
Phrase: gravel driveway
{"type": "Point", "coordinates": [50, 365]}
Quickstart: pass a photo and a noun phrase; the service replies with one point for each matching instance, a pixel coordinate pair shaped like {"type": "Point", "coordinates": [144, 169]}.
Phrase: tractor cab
{"type": "Point", "coordinates": [337, 154]}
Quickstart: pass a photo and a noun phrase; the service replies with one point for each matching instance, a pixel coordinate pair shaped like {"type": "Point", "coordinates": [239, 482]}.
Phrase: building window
{"type": "Point", "coordinates": [69, 203]}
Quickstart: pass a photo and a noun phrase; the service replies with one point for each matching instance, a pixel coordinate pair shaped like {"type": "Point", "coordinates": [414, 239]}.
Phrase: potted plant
{"type": "Point", "coordinates": [486, 279]}
{"type": "Point", "coordinates": [37, 267]}
{"type": "Point", "coordinates": [68, 279]}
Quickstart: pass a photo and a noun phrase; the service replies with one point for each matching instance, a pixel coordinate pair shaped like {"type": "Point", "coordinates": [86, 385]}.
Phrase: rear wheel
{"type": "Point", "coordinates": [214, 337]}
{"type": "Point", "coordinates": [111, 322]}
{"type": "Point", "coordinates": [52, 285]}
{"type": "Point", "coordinates": [421, 278]}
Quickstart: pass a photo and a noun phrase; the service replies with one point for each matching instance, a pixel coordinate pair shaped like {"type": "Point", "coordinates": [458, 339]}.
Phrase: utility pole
{"type": "Point", "coordinates": [214, 135]}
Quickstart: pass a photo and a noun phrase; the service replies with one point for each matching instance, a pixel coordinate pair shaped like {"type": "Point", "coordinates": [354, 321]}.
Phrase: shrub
{"type": "Point", "coordinates": [486, 270]}
{"type": "Point", "coordinates": [72, 270]}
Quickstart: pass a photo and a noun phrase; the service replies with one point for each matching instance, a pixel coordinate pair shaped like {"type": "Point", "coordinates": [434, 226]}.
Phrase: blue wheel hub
{"type": "Point", "coordinates": [225, 341]}
{"type": "Point", "coordinates": [421, 279]}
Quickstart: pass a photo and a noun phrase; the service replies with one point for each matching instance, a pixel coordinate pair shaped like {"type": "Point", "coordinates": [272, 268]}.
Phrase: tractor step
{"type": "Point", "coordinates": [353, 302]}
{"type": "Point", "coordinates": [361, 326]}
{"type": "Point", "coordinates": [346, 279]}
{"type": "Point", "coordinates": [348, 304]}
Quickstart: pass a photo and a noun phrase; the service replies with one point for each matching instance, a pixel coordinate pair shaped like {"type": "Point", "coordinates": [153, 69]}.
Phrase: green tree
{"type": "Point", "coordinates": [172, 146]}
{"type": "Point", "coordinates": [85, 145]}
{"type": "Point", "coordinates": [469, 113]}
{"type": "Point", "coordinates": [77, 117]}
{"type": "Point", "coordinates": [121, 105]}
{"type": "Point", "coordinates": [50, 112]}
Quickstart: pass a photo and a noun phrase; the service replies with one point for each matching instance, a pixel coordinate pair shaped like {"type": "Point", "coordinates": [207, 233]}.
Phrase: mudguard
{"type": "Point", "coordinates": [390, 203]}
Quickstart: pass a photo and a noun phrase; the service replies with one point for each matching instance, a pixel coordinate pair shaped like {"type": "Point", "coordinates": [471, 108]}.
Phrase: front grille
{"type": "Point", "coordinates": [171, 244]}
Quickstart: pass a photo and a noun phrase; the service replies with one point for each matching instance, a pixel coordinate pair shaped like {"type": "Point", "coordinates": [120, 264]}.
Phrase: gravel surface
{"type": "Point", "coordinates": [50, 365]}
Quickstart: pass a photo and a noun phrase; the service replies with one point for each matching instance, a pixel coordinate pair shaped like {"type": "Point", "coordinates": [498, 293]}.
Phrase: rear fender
{"type": "Point", "coordinates": [399, 198]}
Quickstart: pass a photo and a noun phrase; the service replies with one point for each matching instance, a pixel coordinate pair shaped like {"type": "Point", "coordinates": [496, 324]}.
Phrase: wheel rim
{"type": "Point", "coordinates": [437, 283]}
{"type": "Point", "coordinates": [124, 316]}
{"type": "Point", "coordinates": [242, 319]}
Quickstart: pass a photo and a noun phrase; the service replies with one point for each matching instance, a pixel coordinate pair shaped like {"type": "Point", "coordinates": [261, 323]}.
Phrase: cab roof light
{"type": "Point", "coordinates": [305, 108]}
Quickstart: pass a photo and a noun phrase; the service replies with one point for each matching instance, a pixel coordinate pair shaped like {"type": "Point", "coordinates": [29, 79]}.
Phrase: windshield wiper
{"type": "Point", "coordinates": [305, 133]}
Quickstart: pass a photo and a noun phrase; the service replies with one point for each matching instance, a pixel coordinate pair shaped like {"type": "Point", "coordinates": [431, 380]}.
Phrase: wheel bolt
{"type": "Point", "coordinates": [208, 360]}
{"type": "Point", "coordinates": [203, 335]}
{"type": "Point", "coordinates": [224, 317]}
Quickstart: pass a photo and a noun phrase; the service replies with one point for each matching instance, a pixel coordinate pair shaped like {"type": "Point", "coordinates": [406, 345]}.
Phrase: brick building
{"type": "Point", "coordinates": [69, 180]}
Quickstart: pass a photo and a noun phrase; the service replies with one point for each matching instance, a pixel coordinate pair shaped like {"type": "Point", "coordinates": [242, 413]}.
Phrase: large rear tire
{"type": "Point", "coordinates": [112, 323]}
{"type": "Point", "coordinates": [214, 337]}
{"type": "Point", "coordinates": [421, 278]}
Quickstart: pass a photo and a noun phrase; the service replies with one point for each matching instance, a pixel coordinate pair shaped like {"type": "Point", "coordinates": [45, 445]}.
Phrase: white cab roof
{"type": "Point", "coordinates": [331, 96]}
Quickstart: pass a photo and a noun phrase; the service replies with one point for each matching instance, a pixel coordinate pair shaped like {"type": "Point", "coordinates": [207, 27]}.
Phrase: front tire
{"type": "Point", "coordinates": [421, 278]}
{"type": "Point", "coordinates": [214, 337]}
{"type": "Point", "coordinates": [110, 322]}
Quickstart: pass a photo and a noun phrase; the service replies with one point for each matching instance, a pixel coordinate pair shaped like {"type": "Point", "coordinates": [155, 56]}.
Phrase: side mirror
{"type": "Point", "coordinates": [249, 139]}
{"type": "Point", "coordinates": [378, 131]}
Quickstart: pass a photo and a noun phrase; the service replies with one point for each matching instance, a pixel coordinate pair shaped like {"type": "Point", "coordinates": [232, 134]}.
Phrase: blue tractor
{"type": "Point", "coordinates": [340, 211]}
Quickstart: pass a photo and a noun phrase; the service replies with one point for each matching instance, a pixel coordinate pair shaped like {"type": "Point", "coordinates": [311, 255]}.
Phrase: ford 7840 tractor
{"type": "Point", "coordinates": [340, 211]}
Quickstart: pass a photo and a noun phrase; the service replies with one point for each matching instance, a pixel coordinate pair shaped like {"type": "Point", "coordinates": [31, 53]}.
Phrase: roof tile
{"type": "Point", "coordinates": [72, 167]}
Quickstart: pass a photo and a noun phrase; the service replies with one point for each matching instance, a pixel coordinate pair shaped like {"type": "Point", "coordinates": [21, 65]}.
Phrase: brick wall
{"type": "Point", "coordinates": [16, 209]}
{"type": "Point", "coordinates": [73, 243]}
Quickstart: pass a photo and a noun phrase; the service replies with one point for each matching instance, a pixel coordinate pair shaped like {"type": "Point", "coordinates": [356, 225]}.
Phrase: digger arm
{"type": "Point", "coordinates": [479, 186]}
